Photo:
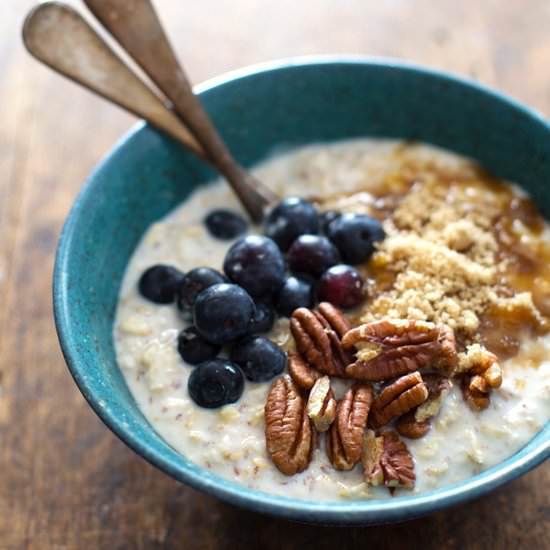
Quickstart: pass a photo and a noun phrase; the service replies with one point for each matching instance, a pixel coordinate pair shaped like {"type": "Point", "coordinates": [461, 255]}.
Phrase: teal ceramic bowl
{"type": "Point", "coordinates": [257, 110]}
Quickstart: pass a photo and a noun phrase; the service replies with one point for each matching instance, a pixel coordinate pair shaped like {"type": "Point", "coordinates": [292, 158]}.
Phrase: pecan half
{"type": "Point", "coordinates": [438, 388]}
{"type": "Point", "coordinates": [417, 423]}
{"type": "Point", "coordinates": [398, 398]}
{"type": "Point", "coordinates": [301, 372]}
{"type": "Point", "coordinates": [321, 405]}
{"type": "Point", "coordinates": [483, 373]}
{"type": "Point", "coordinates": [386, 460]}
{"type": "Point", "coordinates": [318, 338]}
{"type": "Point", "coordinates": [345, 437]}
{"type": "Point", "coordinates": [290, 438]}
{"type": "Point", "coordinates": [478, 360]}
{"type": "Point", "coordinates": [393, 347]}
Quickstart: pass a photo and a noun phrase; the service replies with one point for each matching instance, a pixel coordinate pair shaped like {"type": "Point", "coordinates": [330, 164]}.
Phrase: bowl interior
{"type": "Point", "coordinates": [276, 107]}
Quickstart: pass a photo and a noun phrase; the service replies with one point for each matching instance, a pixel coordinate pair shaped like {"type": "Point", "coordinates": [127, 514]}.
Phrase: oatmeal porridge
{"type": "Point", "coordinates": [431, 364]}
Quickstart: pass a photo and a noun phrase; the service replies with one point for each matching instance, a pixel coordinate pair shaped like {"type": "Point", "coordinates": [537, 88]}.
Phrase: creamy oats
{"type": "Point", "coordinates": [444, 260]}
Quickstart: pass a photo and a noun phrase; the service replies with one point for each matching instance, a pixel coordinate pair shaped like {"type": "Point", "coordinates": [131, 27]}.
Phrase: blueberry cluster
{"type": "Point", "coordinates": [319, 250]}
{"type": "Point", "coordinates": [223, 315]}
{"type": "Point", "coordinates": [298, 260]}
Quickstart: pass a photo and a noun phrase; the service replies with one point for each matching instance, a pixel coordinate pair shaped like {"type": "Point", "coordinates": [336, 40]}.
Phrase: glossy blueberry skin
{"type": "Point", "coordinates": [215, 383]}
{"type": "Point", "coordinates": [354, 235]}
{"type": "Point", "coordinates": [158, 284]}
{"type": "Point", "coordinates": [225, 224]}
{"type": "Point", "coordinates": [291, 218]}
{"type": "Point", "coordinates": [341, 285]}
{"type": "Point", "coordinates": [255, 263]}
{"type": "Point", "coordinates": [312, 255]}
{"type": "Point", "coordinates": [263, 319]}
{"type": "Point", "coordinates": [294, 293]}
{"type": "Point", "coordinates": [223, 313]}
{"type": "Point", "coordinates": [259, 358]}
{"type": "Point", "coordinates": [326, 217]}
{"type": "Point", "coordinates": [193, 284]}
{"type": "Point", "coordinates": [195, 349]}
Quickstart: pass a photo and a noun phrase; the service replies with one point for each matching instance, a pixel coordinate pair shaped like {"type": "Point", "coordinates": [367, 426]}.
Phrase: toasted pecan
{"type": "Point", "coordinates": [301, 372]}
{"type": "Point", "coordinates": [321, 405]}
{"type": "Point", "coordinates": [317, 337]}
{"type": "Point", "coordinates": [394, 347]}
{"type": "Point", "coordinates": [482, 374]}
{"type": "Point", "coordinates": [290, 437]}
{"type": "Point", "coordinates": [438, 388]}
{"type": "Point", "coordinates": [392, 333]}
{"type": "Point", "coordinates": [417, 422]}
{"type": "Point", "coordinates": [344, 442]}
{"type": "Point", "coordinates": [387, 460]}
{"type": "Point", "coordinates": [371, 454]}
{"type": "Point", "coordinates": [398, 398]}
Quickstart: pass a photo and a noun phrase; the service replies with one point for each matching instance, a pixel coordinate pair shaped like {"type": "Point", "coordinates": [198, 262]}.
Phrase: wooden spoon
{"type": "Point", "coordinates": [58, 36]}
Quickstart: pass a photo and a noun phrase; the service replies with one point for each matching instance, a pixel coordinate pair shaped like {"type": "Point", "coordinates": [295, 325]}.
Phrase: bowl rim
{"type": "Point", "coordinates": [328, 512]}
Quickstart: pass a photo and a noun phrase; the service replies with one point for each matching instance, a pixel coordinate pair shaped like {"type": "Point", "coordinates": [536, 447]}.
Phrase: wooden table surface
{"type": "Point", "coordinates": [66, 482]}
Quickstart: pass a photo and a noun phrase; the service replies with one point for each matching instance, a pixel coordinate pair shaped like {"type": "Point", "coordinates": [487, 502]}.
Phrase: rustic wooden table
{"type": "Point", "coordinates": [66, 481]}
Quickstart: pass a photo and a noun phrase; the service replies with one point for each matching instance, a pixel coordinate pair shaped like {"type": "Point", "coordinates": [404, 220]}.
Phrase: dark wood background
{"type": "Point", "coordinates": [65, 481]}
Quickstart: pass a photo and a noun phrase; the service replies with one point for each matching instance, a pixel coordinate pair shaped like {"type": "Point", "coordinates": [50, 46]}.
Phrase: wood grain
{"type": "Point", "coordinates": [66, 481]}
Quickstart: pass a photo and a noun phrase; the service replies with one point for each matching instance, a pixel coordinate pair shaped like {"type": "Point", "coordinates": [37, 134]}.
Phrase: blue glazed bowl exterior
{"type": "Point", "coordinates": [257, 110]}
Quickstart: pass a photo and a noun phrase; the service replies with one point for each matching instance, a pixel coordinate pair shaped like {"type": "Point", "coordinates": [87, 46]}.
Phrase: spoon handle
{"type": "Point", "coordinates": [136, 26]}
{"type": "Point", "coordinates": [58, 35]}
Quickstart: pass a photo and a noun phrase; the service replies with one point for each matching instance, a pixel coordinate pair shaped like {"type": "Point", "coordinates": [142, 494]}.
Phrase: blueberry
{"type": "Point", "coordinates": [354, 235]}
{"type": "Point", "coordinates": [223, 313]}
{"type": "Point", "coordinates": [295, 293]}
{"type": "Point", "coordinates": [215, 383]}
{"type": "Point", "coordinates": [225, 224]}
{"type": "Point", "coordinates": [255, 263]}
{"type": "Point", "coordinates": [342, 286]}
{"type": "Point", "coordinates": [291, 218]}
{"type": "Point", "coordinates": [312, 255]}
{"type": "Point", "coordinates": [259, 358]}
{"type": "Point", "coordinates": [263, 319]}
{"type": "Point", "coordinates": [194, 283]}
{"type": "Point", "coordinates": [193, 348]}
{"type": "Point", "coordinates": [325, 218]}
{"type": "Point", "coordinates": [159, 283]}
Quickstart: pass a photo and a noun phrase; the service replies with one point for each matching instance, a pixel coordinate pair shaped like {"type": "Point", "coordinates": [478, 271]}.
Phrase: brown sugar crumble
{"type": "Point", "coordinates": [457, 252]}
{"type": "Point", "coordinates": [462, 249]}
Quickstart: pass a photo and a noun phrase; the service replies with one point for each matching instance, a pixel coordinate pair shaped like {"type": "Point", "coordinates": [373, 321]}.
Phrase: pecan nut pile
{"type": "Point", "coordinates": [346, 432]}
{"type": "Point", "coordinates": [398, 398]}
{"type": "Point", "coordinates": [393, 382]}
{"type": "Point", "coordinates": [321, 405]}
{"type": "Point", "coordinates": [289, 435]}
{"type": "Point", "coordinates": [387, 461]}
{"type": "Point", "coordinates": [394, 347]}
{"type": "Point", "coordinates": [318, 337]}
